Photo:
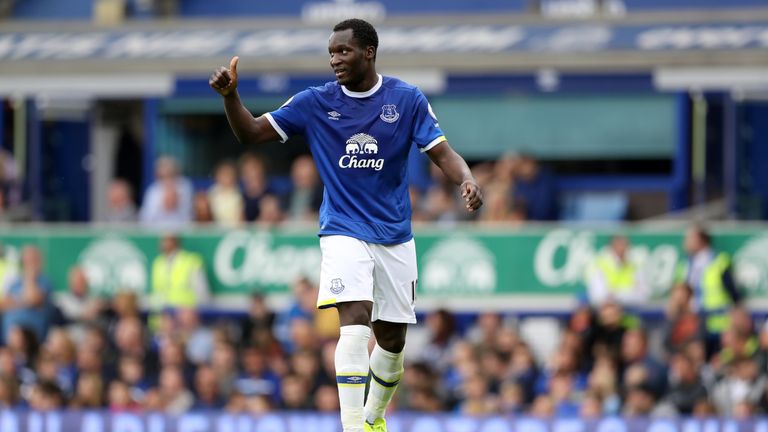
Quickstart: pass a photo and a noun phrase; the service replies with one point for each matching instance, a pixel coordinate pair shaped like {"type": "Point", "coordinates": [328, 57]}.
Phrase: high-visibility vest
{"type": "Point", "coordinates": [714, 298]}
{"type": "Point", "coordinates": [174, 286]}
{"type": "Point", "coordinates": [619, 276]}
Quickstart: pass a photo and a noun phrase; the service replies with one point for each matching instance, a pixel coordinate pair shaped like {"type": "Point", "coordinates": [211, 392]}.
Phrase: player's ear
{"type": "Point", "coordinates": [370, 53]}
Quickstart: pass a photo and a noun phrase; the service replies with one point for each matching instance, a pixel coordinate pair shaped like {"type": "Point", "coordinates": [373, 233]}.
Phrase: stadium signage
{"type": "Point", "coordinates": [271, 43]}
{"type": "Point", "coordinates": [471, 262]}
{"type": "Point", "coordinates": [24, 421]}
{"type": "Point", "coordinates": [244, 258]}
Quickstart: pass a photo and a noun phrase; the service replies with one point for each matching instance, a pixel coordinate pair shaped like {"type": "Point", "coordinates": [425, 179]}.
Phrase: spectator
{"type": "Point", "coordinates": [197, 338]}
{"type": "Point", "coordinates": [543, 407]}
{"type": "Point", "coordinates": [441, 326]}
{"type": "Point", "coordinates": [27, 301]}
{"type": "Point", "coordinates": [306, 365]}
{"type": "Point", "coordinates": [224, 196]}
{"type": "Point", "coordinates": [476, 400]}
{"type": "Point", "coordinates": [602, 383]}
{"type": "Point", "coordinates": [762, 349]}
{"type": "Point", "coordinates": [710, 276]}
{"type": "Point", "coordinates": [640, 401]}
{"type": "Point", "coordinates": [119, 398]}
{"type": "Point", "coordinates": [682, 324]}
{"type": "Point", "coordinates": [686, 385]}
{"type": "Point", "coordinates": [120, 203]}
{"type": "Point", "coordinates": [561, 389]}
{"type": "Point", "coordinates": [484, 331]}
{"type": "Point", "coordinates": [224, 364]}
{"type": "Point", "coordinates": [634, 351]}
{"type": "Point", "coordinates": [591, 406]}
{"type": "Point", "coordinates": [131, 372]}
{"type": "Point", "coordinates": [743, 383]}
{"type": "Point", "coordinates": [270, 212]}
{"type": "Point", "coordinates": [77, 305]}
{"type": "Point", "coordinates": [89, 393]}
{"type": "Point", "coordinates": [306, 195]}
{"type": "Point", "coordinates": [175, 397]}
{"type": "Point", "coordinates": [172, 355]}
{"type": "Point", "coordinates": [326, 399]}
{"type": "Point", "coordinates": [613, 276]}
{"type": "Point", "coordinates": [203, 214]}
{"type": "Point", "coordinates": [207, 396]}
{"type": "Point", "coordinates": [168, 200]}
{"type": "Point", "coordinates": [535, 189]}
{"type": "Point", "coordinates": [607, 332]}
{"type": "Point", "coordinates": [511, 398]}
{"type": "Point", "coordinates": [46, 396]}
{"type": "Point", "coordinates": [256, 327]}
{"type": "Point", "coordinates": [254, 180]}
{"type": "Point", "coordinates": [441, 203]}
{"type": "Point", "coordinates": [9, 393]}
{"type": "Point", "coordinates": [524, 372]}
{"type": "Point", "coordinates": [62, 351]}
{"type": "Point", "coordinates": [178, 276]}
{"type": "Point", "coordinates": [294, 393]}
{"type": "Point", "coordinates": [256, 377]}
{"type": "Point", "coordinates": [130, 340]}
{"type": "Point", "coordinates": [302, 306]}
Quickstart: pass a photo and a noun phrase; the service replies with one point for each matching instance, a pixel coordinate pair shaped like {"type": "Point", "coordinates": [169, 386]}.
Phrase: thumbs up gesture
{"type": "Point", "coordinates": [224, 80]}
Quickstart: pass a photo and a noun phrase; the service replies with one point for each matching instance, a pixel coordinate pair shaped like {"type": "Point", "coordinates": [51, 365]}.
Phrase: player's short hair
{"type": "Point", "coordinates": [362, 30]}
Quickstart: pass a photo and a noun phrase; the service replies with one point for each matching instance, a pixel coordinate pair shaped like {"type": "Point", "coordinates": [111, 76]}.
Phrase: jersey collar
{"type": "Point", "coordinates": [364, 94]}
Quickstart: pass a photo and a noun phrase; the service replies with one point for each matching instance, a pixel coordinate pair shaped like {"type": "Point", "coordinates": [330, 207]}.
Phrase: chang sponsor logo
{"type": "Point", "coordinates": [359, 147]}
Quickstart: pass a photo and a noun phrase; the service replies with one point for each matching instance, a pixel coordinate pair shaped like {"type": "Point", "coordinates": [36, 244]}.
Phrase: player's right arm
{"type": "Point", "coordinates": [247, 128]}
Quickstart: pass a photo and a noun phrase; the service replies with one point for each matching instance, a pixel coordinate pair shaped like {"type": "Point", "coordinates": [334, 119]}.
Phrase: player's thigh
{"type": "Point", "coordinates": [394, 277]}
{"type": "Point", "coordinates": [346, 271]}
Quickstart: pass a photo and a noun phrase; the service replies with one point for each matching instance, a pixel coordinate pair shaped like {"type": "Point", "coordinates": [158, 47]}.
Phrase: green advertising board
{"type": "Point", "coordinates": [466, 262]}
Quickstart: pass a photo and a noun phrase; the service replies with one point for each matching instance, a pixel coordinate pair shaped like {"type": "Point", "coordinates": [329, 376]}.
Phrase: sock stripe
{"type": "Point", "coordinates": [384, 383]}
{"type": "Point", "coordinates": [351, 379]}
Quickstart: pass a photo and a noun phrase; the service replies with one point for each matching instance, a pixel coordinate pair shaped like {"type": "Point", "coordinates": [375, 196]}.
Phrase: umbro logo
{"type": "Point", "coordinates": [333, 115]}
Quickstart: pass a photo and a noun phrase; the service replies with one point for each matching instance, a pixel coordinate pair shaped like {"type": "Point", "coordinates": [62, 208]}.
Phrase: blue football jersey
{"type": "Point", "coordinates": [360, 142]}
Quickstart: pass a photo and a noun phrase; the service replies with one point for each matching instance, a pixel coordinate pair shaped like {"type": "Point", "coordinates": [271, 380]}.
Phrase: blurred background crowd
{"type": "Point", "coordinates": [121, 184]}
{"type": "Point", "coordinates": [242, 192]}
{"type": "Point", "coordinates": [85, 351]}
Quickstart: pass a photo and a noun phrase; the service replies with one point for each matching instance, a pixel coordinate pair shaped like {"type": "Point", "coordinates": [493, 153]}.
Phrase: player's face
{"type": "Point", "coordinates": [349, 61]}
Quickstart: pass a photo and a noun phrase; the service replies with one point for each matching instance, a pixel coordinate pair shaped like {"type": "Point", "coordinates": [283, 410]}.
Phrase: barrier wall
{"type": "Point", "coordinates": [18, 421]}
{"type": "Point", "coordinates": [472, 263]}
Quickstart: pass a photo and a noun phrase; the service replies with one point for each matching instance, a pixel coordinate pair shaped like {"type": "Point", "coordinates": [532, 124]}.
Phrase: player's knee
{"type": "Point", "coordinates": [354, 313]}
{"type": "Point", "coordinates": [392, 343]}
{"type": "Point", "coordinates": [391, 337]}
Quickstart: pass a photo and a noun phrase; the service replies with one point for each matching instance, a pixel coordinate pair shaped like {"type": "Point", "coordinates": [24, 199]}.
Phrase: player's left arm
{"type": "Point", "coordinates": [456, 170]}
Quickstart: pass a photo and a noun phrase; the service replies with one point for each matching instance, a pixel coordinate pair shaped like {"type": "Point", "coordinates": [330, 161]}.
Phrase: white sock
{"type": "Point", "coordinates": [386, 370]}
{"type": "Point", "coordinates": [352, 374]}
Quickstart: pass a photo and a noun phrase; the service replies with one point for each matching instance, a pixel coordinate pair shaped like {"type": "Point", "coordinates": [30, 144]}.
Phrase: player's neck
{"type": "Point", "coordinates": [366, 84]}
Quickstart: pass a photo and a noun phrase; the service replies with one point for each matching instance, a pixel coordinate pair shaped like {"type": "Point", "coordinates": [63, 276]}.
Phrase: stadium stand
{"type": "Point", "coordinates": [583, 121]}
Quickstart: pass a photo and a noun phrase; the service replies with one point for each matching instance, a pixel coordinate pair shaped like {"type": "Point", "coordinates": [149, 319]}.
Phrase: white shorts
{"type": "Point", "coordinates": [355, 270]}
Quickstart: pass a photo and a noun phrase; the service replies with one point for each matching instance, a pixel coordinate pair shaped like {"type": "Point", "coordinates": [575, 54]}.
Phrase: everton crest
{"type": "Point", "coordinates": [337, 286]}
{"type": "Point", "coordinates": [389, 113]}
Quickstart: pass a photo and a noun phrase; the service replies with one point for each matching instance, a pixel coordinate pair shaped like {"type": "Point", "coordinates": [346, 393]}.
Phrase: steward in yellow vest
{"type": "Point", "coordinates": [709, 275]}
{"type": "Point", "coordinates": [611, 276]}
{"type": "Point", "coordinates": [178, 277]}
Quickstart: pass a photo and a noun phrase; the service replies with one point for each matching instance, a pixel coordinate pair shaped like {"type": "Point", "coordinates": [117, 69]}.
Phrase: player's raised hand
{"type": "Point", "coordinates": [472, 194]}
{"type": "Point", "coordinates": [224, 80]}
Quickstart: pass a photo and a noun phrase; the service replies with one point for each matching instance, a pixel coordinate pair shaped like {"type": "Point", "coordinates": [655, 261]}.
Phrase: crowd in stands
{"type": "Point", "coordinates": [517, 188]}
{"type": "Point", "coordinates": [125, 353]}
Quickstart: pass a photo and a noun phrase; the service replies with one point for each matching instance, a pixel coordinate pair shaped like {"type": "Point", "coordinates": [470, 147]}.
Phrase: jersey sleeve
{"type": "Point", "coordinates": [426, 130]}
{"type": "Point", "coordinates": [291, 118]}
